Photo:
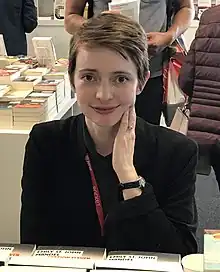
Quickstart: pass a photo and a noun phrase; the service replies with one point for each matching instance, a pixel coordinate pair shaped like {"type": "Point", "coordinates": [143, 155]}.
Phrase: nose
{"type": "Point", "coordinates": [104, 91]}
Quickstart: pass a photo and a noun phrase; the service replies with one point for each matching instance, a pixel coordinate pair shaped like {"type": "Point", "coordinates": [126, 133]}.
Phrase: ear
{"type": "Point", "coordinates": [141, 86]}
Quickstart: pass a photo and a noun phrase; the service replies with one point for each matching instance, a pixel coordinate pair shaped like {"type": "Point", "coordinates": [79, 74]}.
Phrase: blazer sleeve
{"type": "Point", "coordinates": [143, 224]}
{"type": "Point", "coordinates": [33, 221]}
{"type": "Point", "coordinates": [187, 72]}
{"type": "Point", "coordinates": [29, 14]}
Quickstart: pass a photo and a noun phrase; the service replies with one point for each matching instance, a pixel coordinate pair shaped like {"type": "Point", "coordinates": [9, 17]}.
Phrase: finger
{"type": "Point", "coordinates": [112, 11]}
{"type": "Point", "coordinates": [124, 122]}
{"type": "Point", "coordinates": [132, 119]}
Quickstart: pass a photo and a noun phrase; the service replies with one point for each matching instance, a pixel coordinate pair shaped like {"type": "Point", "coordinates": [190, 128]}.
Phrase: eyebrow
{"type": "Point", "coordinates": [95, 71]}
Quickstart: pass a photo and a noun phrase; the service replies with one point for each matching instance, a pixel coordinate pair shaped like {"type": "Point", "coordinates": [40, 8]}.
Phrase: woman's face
{"type": "Point", "coordinates": [106, 84]}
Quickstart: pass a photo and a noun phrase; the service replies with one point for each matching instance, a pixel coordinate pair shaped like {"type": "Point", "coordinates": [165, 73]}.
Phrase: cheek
{"type": "Point", "coordinates": [128, 95]}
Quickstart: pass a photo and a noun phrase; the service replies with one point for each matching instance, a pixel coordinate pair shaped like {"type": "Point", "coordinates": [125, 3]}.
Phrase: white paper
{"type": "Point", "coordinates": [129, 8]}
{"type": "Point", "coordinates": [204, 3]}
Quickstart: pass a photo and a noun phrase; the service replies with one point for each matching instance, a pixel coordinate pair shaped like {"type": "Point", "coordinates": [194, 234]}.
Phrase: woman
{"type": "Point", "coordinates": [105, 178]}
{"type": "Point", "coordinates": [199, 78]}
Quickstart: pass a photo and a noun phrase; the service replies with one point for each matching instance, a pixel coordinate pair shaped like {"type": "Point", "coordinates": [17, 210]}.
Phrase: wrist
{"type": "Point", "coordinates": [128, 175]}
{"type": "Point", "coordinates": [171, 36]}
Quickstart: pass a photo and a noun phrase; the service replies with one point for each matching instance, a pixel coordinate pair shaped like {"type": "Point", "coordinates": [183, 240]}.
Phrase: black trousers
{"type": "Point", "coordinates": [149, 103]}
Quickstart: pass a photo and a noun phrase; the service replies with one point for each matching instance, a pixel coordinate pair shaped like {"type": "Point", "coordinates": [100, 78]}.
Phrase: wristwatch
{"type": "Point", "coordinates": [139, 184]}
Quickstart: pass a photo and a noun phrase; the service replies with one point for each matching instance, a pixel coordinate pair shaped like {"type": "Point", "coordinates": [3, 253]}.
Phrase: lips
{"type": "Point", "coordinates": [104, 110]}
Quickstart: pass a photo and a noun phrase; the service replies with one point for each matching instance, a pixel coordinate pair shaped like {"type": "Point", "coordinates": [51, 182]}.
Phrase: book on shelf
{"type": "Point", "coordinates": [59, 9]}
{"type": "Point", "coordinates": [19, 249]}
{"type": "Point", "coordinates": [45, 51]}
{"type": "Point", "coordinates": [141, 261]}
{"type": "Point", "coordinates": [212, 250]}
{"type": "Point", "coordinates": [15, 95]}
{"type": "Point", "coordinates": [55, 85]}
{"type": "Point", "coordinates": [5, 255]}
{"type": "Point", "coordinates": [49, 95]}
{"type": "Point", "coordinates": [38, 269]}
{"type": "Point", "coordinates": [6, 114]}
{"type": "Point", "coordinates": [27, 60]}
{"type": "Point", "coordinates": [7, 60]}
{"type": "Point", "coordinates": [49, 85]}
{"type": "Point", "coordinates": [4, 89]}
{"type": "Point", "coordinates": [61, 65]}
{"type": "Point", "coordinates": [38, 71]}
{"type": "Point", "coordinates": [57, 256]}
{"type": "Point", "coordinates": [25, 82]}
{"type": "Point", "coordinates": [21, 67]}
{"type": "Point", "coordinates": [55, 75]}
{"type": "Point", "coordinates": [8, 75]}
{"type": "Point", "coordinates": [33, 110]}
{"type": "Point", "coordinates": [3, 51]}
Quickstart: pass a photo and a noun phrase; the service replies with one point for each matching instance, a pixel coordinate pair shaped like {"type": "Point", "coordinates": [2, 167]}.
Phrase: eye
{"type": "Point", "coordinates": [88, 78]}
{"type": "Point", "coordinates": [121, 79]}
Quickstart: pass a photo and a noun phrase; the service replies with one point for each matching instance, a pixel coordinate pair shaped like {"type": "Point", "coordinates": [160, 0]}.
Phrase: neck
{"type": "Point", "coordinates": [103, 137]}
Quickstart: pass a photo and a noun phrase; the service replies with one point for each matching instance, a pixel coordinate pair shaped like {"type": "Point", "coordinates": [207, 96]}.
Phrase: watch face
{"type": "Point", "coordinates": [142, 182]}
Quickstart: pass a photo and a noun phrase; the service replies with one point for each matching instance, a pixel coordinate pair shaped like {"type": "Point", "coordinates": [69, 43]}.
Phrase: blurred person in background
{"type": "Point", "coordinates": [155, 17]}
{"type": "Point", "coordinates": [16, 19]}
{"type": "Point", "coordinates": [200, 80]}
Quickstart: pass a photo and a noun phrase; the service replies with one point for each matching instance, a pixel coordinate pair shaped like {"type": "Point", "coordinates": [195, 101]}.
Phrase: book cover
{"type": "Point", "coordinates": [82, 253]}
{"type": "Point", "coordinates": [19, 249]}
{"type": "Point", "coordinates": [25, 82]}
{"type": "Point", "coordinates": [48, 84]}
{"type": "Point", "coordinates": [211, 250]}
{"type": "Point", "coordinates": [38, 71]}
{"type": "Point", "coordinates": [143, 261]}
{"type": "Point", "coordinates": [17, 95]}
{"type": "Point", "coordinates": [8, 75]}
{"type": "Point", "coordinates": [57, 256]}
{"type": "Point", "coordinates": [45, 51]}
{"type": "Point", "coordinates": [5, 255]}
{"type": "Point", "coordinates": [4, 89]}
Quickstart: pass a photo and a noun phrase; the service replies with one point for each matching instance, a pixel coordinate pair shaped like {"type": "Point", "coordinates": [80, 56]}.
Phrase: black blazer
{"type": "Point", "coordinates": [57, 197]}
{"type": "Point", "coordinates": [17, 17]}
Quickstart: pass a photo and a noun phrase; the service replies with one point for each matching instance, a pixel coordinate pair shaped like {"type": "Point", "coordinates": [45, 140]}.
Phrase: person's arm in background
{"type": "Point", "coordinates": [29, 15]}
{"type": "Point", "coordinates": [73, 15]}
{"type": "Point", "coordinates": [181, 22]}
{"type": "Point", "coordinates": [187, 72]}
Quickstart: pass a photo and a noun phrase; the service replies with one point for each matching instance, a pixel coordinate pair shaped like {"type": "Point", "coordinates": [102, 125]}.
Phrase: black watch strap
{"type": "Point", "coordinates": [139, 183]}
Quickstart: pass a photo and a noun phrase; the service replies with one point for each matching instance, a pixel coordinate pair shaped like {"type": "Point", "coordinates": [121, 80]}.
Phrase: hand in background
{"type": "Point", "coordinates": [158, 41]}
{"type": "Point", "coordinates": [123, 149]}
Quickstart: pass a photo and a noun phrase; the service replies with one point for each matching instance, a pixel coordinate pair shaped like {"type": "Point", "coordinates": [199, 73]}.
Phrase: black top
{"type": "Point", "coordinates": [57, 197]}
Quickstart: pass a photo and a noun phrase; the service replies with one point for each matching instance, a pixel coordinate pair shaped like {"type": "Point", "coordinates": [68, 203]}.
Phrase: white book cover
{"type": "Point", "coordinates": [3, 51]}
{"type": "Point", "coordinates": [45, 51]}
{"type": "Point", "coordinates": [5, 254]}
{"type": "Point", "coordinates": [143, 261]}
{"type": "Point", "coordinates": [59, 9]}
{"type": "Point", "coordinates": [42, 261]}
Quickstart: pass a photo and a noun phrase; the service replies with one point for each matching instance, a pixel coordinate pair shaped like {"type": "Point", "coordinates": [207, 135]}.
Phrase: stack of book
{"type": "Point", "coordinates": [32, 89]}
{"type": "Point", "coordinates": [8, 75]}
{"type": "Point", "coordinates": [55, 85]}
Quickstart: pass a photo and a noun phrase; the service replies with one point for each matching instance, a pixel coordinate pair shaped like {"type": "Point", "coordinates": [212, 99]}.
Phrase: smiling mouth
{"type": "Point", "coordinates": [103, 110]}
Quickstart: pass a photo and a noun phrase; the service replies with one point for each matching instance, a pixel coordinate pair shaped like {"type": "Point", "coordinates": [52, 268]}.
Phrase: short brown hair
{"type": "Point", "coordinates": [115, 32]}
